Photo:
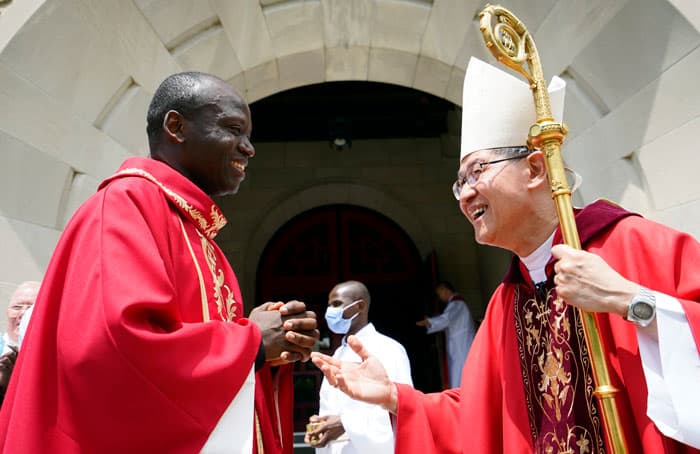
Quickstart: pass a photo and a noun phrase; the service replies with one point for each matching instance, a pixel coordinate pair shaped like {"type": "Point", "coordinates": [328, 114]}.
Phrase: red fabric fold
{"type": "Point", "coordinates": [116, 358]}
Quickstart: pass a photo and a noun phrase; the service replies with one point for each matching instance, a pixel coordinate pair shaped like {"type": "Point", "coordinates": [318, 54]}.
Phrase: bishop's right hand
{"type": "Point", "coordinates": [366, 381]}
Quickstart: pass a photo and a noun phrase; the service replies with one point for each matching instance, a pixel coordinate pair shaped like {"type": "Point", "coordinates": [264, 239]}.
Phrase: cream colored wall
{"type": "Point", "coordinates": [76, 77]}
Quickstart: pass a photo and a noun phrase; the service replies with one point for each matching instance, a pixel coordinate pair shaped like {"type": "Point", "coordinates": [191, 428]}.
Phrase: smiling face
{"type": "Point", "coordinates": [495, 204]}
{"type": "Point", "coordinates": [215, 139]}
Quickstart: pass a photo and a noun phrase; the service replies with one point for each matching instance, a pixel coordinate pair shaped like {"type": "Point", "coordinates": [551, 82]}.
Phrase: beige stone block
{"type": "Point", "coordinates": [13, 16]}
{"type": "Point", "coordinates": [660, 107]}
{"type": "Point", "coordinates": [79, 189]}
{"type": "Point", "coordinates": [347, 63]}
{"type": "Point", "coordinates": [295, 27]}
{"type": "Point", "coordinates": [123, 33]}
{"type": "Point", "coordinates": [305, 68]}
{"type": "Point", "coordinates": [238, 82]}
{"type": "Point", "coordinates": [446, 28]}
{"type": "Point", "coordinates": [347, 24]}
{"type": "Point", "coordinates": [210, 52]}
{"type": "Point", "coordinates": [617, 180]}
{"type": "Point", "coordinates": [665, 163]}
{"type": "Point", "coordinates": [580, 110]}
{"type": "Point", "coordinates": [52, 52]}
{"type": "Point", "coordinates": [432, 76]}
{"type": "Point", "coordinates": [62, 135]}
{"type": "Point", "coordinates": [472, 46]}
{"type": "Point", "coordinates": [29, 246]}
{"type": "Point", "coordinates": [642, 41]}
{"type": "Point", "coordinates": [404, 34]}
{"type": "Point", "coordinates": [453, 92]}
{"type": "Point", "coordinates": [247, 30]}
{"type": "Point", "coordinates": [690, 10]}
{"type": "Point", "coordinates": [569, 28]}
{"type": "Point", "coordinates": [125, 122]}
{"type": "Point", "coordinates": [32, 183]}
{"type": "Point", "coordinates": [685, 217]}
{"type": "Point", "coordinates": [392, 67]}
{"type": "Point", "coordinates": [261, 81]}
{"type": "Point", "coordinates": [176, 20]}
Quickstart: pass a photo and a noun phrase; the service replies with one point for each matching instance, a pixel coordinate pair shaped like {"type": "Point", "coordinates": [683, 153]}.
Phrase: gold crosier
{"type": "Point", "coordinates": [512, 45]}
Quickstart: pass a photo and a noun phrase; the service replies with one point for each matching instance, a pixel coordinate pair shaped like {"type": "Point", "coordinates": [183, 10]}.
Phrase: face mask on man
{"type": "Point", "coordinates": [335, 320]}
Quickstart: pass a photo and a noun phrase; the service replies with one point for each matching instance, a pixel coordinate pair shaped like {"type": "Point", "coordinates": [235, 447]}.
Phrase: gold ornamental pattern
{"type": "Point", "coordinates": [556, 375]}
{"type": "Point", "coordinates": [209, 225]}
{"type": "Point", "coordinates": [223, 295]}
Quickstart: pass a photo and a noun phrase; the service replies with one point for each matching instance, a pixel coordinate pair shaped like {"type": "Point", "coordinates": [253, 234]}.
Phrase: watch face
{"type": "Point", "coordinates": [643, 310]}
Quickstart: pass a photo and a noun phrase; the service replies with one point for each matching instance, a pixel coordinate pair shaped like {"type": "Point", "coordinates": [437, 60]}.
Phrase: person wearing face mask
{"type": "Point", "coordinates": [347, 426]}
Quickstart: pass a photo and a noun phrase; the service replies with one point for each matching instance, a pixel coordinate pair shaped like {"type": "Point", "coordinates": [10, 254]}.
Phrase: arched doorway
{"type": "Point", "coordinates": [324, 246]}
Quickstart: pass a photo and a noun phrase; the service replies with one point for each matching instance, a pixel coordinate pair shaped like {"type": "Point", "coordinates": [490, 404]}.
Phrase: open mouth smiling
{"type": "Point", "coordinates": [238, 166]}
{"type": "Point", "coordinates": [476, 212]}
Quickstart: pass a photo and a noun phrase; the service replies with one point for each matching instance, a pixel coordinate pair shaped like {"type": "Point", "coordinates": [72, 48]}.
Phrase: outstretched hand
{"type": "Point", "coordinates": [366, 381]}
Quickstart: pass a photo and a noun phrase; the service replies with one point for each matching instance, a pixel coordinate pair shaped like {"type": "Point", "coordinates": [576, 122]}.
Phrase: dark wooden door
{"type": "Point", "coordinates": [316, 250]}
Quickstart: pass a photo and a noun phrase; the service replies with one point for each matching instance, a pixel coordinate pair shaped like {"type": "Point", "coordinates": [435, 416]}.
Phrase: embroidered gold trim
{"type": "Point", "coordinates": [218, 221]}
{"type": "Point", "coordinates": [202, 287]}
{"type": "Point", "coordinates": [544, 333]}
{"type": "Point", "coordinates": [225, 304]}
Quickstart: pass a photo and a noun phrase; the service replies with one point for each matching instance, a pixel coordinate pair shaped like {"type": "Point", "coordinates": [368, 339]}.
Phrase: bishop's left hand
{"type": "Point", "coordinates": [586, 281]}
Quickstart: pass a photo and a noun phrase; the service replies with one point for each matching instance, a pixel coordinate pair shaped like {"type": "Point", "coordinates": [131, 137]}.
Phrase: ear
{"type": "Point", "coordinates": [173, 126]}
{"type": "Point", "coordinates": [537, 170]}
{"type": "Point", "coordinates": [362, 305]}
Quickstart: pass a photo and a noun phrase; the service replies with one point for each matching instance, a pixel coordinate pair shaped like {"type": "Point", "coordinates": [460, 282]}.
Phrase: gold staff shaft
{"type": "Point", "coordinates": [511, 44]}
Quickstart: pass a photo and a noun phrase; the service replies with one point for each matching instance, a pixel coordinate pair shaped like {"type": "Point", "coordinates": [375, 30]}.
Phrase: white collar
{"type": "Point", "coordinates": [365, 331]}
{"type": "Point", "coordinates": [537, 261]}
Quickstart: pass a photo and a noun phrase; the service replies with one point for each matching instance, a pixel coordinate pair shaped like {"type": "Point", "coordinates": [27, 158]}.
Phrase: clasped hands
{"type": "Point", "coordinates": [289, 331]}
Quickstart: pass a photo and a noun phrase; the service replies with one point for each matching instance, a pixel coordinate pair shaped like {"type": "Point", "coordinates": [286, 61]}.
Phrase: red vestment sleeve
{"type": "Point", "coordinates": [117, 358]}
{"type": "Point", "coordinates": [427, 423]}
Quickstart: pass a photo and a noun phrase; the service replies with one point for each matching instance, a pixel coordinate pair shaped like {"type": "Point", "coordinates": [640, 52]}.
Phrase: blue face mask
{"type": "Point", "coordinates": [335, 320]}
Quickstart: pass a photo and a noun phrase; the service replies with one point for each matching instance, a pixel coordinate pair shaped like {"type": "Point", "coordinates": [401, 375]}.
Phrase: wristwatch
{"type": "Point", "coordinates": [642, 308]}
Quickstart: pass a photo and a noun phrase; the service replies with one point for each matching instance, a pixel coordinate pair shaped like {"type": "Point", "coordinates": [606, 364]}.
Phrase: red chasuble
{"type": "Point", "coordinates": [520, 396]}
{"type": "Point", "coordinates": [117, 357]}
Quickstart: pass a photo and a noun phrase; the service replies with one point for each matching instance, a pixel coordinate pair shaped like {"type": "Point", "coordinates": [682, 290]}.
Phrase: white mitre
{"type": "Point", "coordinates": [498, 108]}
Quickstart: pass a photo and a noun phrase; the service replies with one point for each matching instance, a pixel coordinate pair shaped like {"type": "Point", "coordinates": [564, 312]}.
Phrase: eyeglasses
{"type": "Point", "coordinates": [474, 173]}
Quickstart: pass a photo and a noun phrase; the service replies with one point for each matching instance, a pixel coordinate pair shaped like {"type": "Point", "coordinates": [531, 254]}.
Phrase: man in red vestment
{"type": "Point", "coordinates": [138, 341]}
{"type": "Point", "coordinates": [527, 383]}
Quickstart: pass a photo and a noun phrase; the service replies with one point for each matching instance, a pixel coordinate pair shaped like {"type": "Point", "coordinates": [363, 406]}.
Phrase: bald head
{"type": "Point", "coordinates": [354, 289]}
{"type": "Point", "coordinates": [22, 299]}
{"type": "Point", "coordinates": [182, 92]}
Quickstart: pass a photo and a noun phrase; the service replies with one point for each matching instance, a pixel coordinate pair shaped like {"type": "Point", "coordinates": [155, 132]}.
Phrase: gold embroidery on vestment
{"type": "Point", "coordinates": [218, 221]}
{"type": "Point", "coordinates": [544, 333]}
{"type": "Point", "coordinates": [226, 304]}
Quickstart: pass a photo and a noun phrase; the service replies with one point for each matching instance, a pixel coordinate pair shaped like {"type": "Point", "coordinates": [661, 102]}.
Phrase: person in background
{"type": "Point", "coordinates": [21, 303]}
{"type": "Point", "coordinates": [347, 426]}
{"type": "Point", "coordinates": [21, 300]}
{"type": "Point", "coordinates": [457, 323]}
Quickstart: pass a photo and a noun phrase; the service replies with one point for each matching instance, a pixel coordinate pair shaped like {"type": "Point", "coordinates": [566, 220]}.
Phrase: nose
{"type": "Point", "coordinates": [246, 147]}
{"type": "Point", "coordinates": [468, 192]}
